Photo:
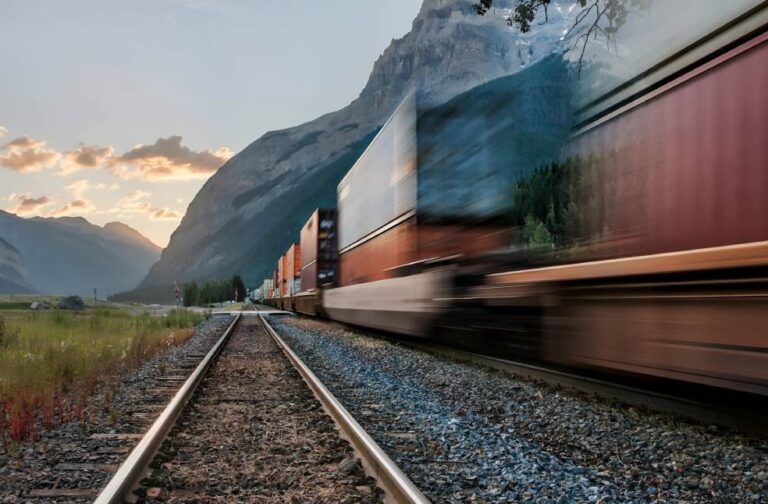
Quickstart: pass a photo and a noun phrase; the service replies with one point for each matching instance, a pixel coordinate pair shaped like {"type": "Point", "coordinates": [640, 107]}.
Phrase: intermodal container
{"type": "Point", "coordinates": [267, 288]}
{"type": "Point", "coordinates": [284, 275]}
{"type": "Point", "coordinates": [275, 283]}
{"type": "Point", "coordinates": [381, 186]}
{"type": "Point", "coordinates": [436, 183]}
{"type": "Point", "coordinates": [293, 269]}
{"type": "Point", "coordinates": [319, 250]}
{"type": "Point", "coordinates": [384, 255]}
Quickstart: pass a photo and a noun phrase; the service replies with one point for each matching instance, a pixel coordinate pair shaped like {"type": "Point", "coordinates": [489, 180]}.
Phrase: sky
{"type": "Point", "coordinates": [120, 110]}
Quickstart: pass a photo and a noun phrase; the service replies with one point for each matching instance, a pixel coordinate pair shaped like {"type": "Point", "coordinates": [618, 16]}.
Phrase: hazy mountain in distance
{"type": "Point", "coordinates": [69, 255]}
{"type": "Point", "coordinates": [13, 279]}
{"type": "Point", "coordinates": [254, 206]}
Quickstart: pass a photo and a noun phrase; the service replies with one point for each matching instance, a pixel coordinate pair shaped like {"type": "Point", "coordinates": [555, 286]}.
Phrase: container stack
{"type": "Point", "coordinates": [403, 204]}
{"type": "Point", "coordinates": [319, 250]}
{"type": "Point", "coordinates": [275, 283]}
{"type": "Point", "coordinates": [267, 289]}
{"type": "Point", "coordinates": [293, 270]}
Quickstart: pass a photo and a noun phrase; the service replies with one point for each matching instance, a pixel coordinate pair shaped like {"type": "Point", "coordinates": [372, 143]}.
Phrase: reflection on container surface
{"type": "Point", "coordinates": [435, 185]}
{"type": "Point", "coordinates": [473, 149]}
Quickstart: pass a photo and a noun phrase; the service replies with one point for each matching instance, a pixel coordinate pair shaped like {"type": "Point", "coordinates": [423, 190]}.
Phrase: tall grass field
{"type": "Point", "coordinates": [51, 362]}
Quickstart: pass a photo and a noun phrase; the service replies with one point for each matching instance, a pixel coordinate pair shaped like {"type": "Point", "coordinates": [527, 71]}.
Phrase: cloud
{"type": "Point", "coordinates": [84, 157]}
{"type": "Point", "coordinates": [136, 203]}
{"type": "Point", "coordinates": [79, 187]}
{"type": "Point", "coordinates": [164, 214]}
{"type": "Point", "coordinates": [25, 204]}
{"type": "Point", "coordinates": [3, 131]}
{"type": "Point", "coordinates": [27, 155]}
{"type": "Point", "coordinates": [24, 142]}
{"type": "Point", "coordinates": [167, 159]}
{"type": "Point", "coordinates": [78, 206]}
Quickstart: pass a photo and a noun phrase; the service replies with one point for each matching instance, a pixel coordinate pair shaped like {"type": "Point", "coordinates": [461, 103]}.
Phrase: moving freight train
{"type": "Point", "coordinates": [612, 218]}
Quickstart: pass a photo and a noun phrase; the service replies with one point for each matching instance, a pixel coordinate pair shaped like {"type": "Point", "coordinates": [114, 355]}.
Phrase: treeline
{"type": "Point", "coordinates": [214, 291]}
{"type": "Point", "coordinates": [545, 205]}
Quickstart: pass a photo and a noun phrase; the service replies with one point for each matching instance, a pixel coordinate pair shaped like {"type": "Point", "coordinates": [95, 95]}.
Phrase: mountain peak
{"type": "Point", "coordinates": [77, 221]}
{"type": "Point", "coordinates": [126, 231]}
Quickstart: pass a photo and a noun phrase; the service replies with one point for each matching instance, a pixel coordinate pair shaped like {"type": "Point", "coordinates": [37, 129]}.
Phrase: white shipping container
{"type": "Point", "coordinates": [381, 186]}
{"type": "Point", "coordinates": [267, 288]}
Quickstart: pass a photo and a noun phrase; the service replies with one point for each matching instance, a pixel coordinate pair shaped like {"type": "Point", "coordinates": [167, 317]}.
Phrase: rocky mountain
{"type": "Point", "coordinates": [13, 279]}
{"type": "Point", "coordinates": [69, 255]}
{"type": "Point", "coordinates": [253, 207]}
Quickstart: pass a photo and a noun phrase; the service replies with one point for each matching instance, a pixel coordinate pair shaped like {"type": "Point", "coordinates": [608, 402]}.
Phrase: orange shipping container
{"type": "Point", "coordinates": [293, 268]}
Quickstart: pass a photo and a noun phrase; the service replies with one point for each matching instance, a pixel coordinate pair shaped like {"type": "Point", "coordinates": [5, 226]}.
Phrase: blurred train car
{"type": "Point", "coordinates": [432, 188]}
{"type": "Point", "coordinates": [669, 278]}
{"type": "Point", "coordinates": [665, 269]}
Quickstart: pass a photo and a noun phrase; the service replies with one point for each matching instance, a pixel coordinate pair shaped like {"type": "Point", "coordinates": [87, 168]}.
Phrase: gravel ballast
{"type": "Point", "coordinates": [68, 457]}
{"type": "Point", "coordinates": [255, 433]}
{"type": "Point", "coordinates": [465, 433]}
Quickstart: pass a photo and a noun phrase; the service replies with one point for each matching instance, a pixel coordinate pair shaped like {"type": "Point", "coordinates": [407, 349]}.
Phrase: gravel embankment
{"type": "Point", "coordinates": [67, 457]}
{"type": "Point", "coordinates": [465, 433]}
{"type": "Point", "coordinates": [255, 433]}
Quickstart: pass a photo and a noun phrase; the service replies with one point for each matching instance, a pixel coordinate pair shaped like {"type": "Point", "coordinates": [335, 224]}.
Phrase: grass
{"type": "Point", "coordinates": [13, 305]}
{"type": "Point", "coordinates": [51, 362]}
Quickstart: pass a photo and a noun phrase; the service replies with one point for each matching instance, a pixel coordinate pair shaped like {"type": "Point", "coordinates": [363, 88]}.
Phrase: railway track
{"type": "Point", "coordinates": [466, 433]}
{"type": "Point", "coordinates": [244, 426]}
{"type": "Point", "coordinates": [72, 461]}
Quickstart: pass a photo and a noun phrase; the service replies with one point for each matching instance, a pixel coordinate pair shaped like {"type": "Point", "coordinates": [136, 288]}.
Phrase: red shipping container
{"type": "Point", "coordinates": [380, 257]}
{"type": "Point", "coordinates": [685, 168]}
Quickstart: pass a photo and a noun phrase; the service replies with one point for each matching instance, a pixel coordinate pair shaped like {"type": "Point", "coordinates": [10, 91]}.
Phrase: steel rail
{"type": "Point", "coordinates": [134, 468]}
{"type": "Point", "coordinates": [391, 479]}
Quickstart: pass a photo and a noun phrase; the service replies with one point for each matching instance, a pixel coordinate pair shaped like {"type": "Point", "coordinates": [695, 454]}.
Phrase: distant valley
{"type": "Point", "coordinates": [69, 255]}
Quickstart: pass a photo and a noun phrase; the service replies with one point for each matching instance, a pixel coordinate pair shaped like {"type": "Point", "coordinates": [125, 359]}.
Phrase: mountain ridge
{"type": "Point", "coordinates": [70, 255]}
